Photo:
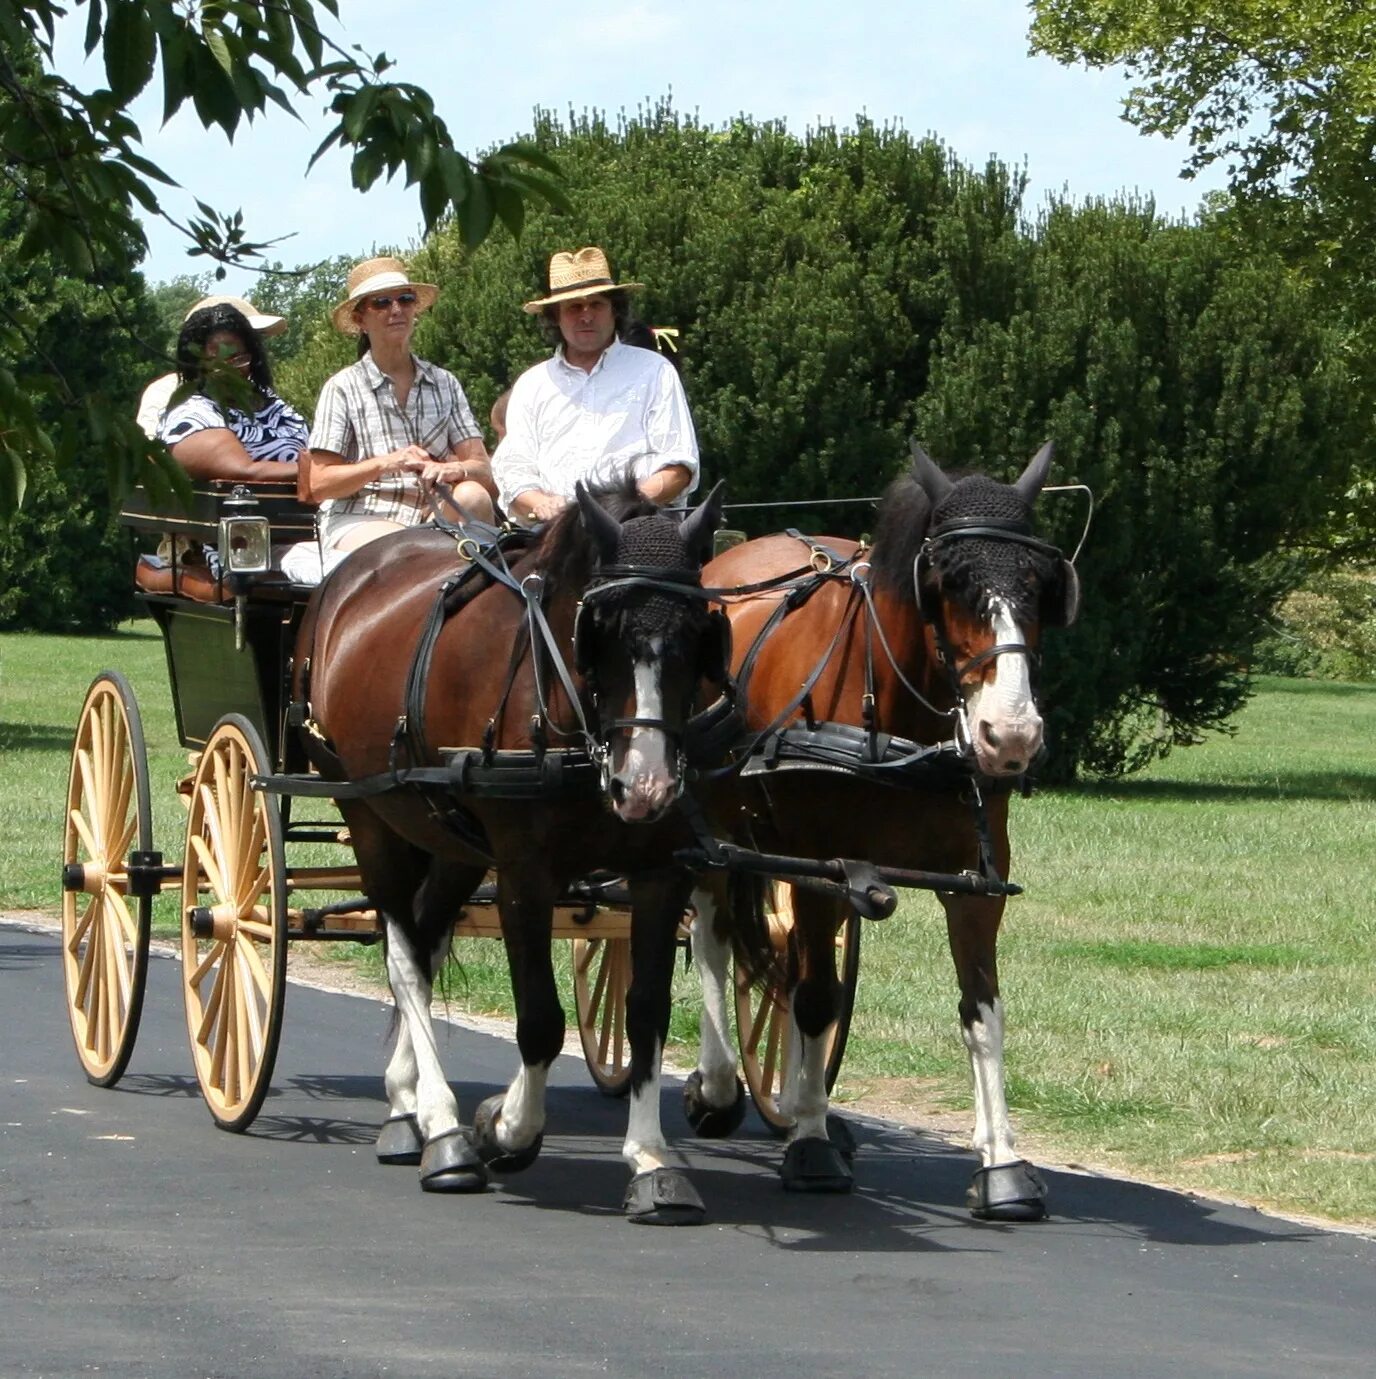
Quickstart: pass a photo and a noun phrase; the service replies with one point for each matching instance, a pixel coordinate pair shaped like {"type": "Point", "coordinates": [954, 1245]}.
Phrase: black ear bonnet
{"type": "Point", "coordinates": [636, 615]}
{"type": "Point", "coordinates": [1037, 583]}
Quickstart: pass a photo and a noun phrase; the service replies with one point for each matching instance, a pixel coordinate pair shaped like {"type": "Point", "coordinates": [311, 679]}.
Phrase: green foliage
{"type": "Point", "coordinates": [227, 61]}
{"type": "Point", "coordinates": [1197, 393]}
{"type": "Point", "coordinates": [1326, 628]}
{"type": "Point", "coordinates": [1282, 96]}
{"type": "Point", "coordinates": [841, 291]}
{"type": "Point", "coordinates": [63, 566]}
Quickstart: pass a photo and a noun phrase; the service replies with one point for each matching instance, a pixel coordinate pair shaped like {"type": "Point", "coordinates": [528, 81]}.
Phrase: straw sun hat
{"type": "Point", "coordinates": [259, 320]}
{"type": "Point", "coordinates": [386, 276]}
{"type": "Point", "coordinates": [583, 274]}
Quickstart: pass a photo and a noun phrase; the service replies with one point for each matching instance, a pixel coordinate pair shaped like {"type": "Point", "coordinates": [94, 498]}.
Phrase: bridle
{"type": "Point", "coordinates": [989, 529]}
{"type": "Point", "coordinates": [683, 583]}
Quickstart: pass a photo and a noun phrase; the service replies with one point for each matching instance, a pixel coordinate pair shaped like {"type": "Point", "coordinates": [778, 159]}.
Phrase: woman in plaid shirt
{"type": "Point", "coordinates": [390, 427]}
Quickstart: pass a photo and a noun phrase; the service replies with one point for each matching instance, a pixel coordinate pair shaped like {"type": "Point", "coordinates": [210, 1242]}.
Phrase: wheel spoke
{"type": "Point", "coordinates": [117, 959]}
{"type": "Point", "coordinates": [260, 926]}
{"type": "Point", "coordinates": [243, 998]}
{"type": "Point", "coordinates": [119, 842]}
{"type": "Point", "coordinates": [208, 865]}
{"type": "Point", "coordinates": [87, 966]}
{"type": "Point", "coordinates": [84, 833]}
{"type": "Point", "coordinates": [772, 1064]}
{"type": "Point", "coordinates": [80, 928]}
{"type": "Point", "coordinates": [219, 1039]}
{"type": "Point", "coordinates": [211, 825]}
{"type": "Point", "coordinates": [129, 928]}
{"type": "Point", "coordinates": [250, 880]}
{"type": "Point", "coordinates": [254, 962]}
{"type": "Point", "coordinates": [121, 781]}
{"type": "Point", "coordinates": [206, 963]}
{"type": "Point", "coordinates": [96, 755]}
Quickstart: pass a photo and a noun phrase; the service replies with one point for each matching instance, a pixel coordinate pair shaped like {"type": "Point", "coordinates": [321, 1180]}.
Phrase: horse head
{"type": "Point", "coordinates": [986, 587]}
{"type": "Point", "coordinates": [645, 642]}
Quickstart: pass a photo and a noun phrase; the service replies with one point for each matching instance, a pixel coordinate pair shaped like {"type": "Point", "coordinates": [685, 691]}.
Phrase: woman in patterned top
{"type": "Point", "coordinates": [391, 427]}
{"type": "Point", "coordinates": [215, 440]}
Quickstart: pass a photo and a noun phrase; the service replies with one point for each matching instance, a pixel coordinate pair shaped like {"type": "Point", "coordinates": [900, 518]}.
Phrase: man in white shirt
{"type": "Point", "coordinates": [599, 410]}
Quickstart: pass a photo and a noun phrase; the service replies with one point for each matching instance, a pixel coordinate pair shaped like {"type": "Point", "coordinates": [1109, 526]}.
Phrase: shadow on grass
{"type": "Point", "coordinates": [1313, 785]}
{"type": "Point", "coordinates": [36, 737]}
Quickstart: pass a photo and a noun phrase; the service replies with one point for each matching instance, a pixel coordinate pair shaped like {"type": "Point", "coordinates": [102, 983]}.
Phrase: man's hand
{"type": "Point", "coordinates": [537, 506]}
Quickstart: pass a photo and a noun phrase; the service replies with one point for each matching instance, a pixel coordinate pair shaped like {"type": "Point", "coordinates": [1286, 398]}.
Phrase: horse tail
{"type": "Point", "coordinates": [760, 957]}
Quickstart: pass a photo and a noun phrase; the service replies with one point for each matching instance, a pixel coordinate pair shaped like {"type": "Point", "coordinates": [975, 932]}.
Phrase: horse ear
{"type": "Point", "coordinates": [700, 524]}
{"type": "Point", "coordinates": [604, 529]}
{"type": "Point", "coordinates": [934, 483]}
{"type": "Point", "coordinates": [1029, 484]}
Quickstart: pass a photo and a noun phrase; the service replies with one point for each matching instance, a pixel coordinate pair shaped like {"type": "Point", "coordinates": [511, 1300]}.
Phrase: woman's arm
{"type": "Point", "coordinates": [217, 453]}
{"type": "Point", "coordinates": [467, 461]}
{"type": "Point", "coordinates": [328, 475]}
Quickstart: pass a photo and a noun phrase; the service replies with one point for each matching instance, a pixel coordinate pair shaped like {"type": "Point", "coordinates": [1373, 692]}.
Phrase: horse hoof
{"type": "Point", "coordinates": [501, 1161]}
{"type": "Point", "coordinates": [663, 1197]}
{"type": "Point", "coordinates": [708, 1121]}
{"type": "Point", "coordinates": [1007, 1192]}
{"type": "Point", "coordinates": [449, 1163]}
{"type": "Point", "coordinates": [842, 1138]}
{"type": "Point", "coordinates": [399, 1141]}
{"type": "Point", "coordinates": [815, 1165]}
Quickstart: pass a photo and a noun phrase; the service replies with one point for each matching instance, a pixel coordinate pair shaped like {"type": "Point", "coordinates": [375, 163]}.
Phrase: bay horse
{"type": "Point", "coordinates": [623, 646]}
{"type": "Point", "coordinates": [929, 635]}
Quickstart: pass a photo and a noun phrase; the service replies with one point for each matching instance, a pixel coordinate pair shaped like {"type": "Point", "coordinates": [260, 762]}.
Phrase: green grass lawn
{"type": "Point", "coordinates": [1190, 977]}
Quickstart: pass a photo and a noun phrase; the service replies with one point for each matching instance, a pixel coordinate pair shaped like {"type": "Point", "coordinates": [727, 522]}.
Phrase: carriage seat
{"type": "Point", "coordinates": [198, 524]}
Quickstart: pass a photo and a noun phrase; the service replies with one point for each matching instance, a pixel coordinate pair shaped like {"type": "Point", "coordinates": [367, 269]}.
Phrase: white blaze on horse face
{"type": "Point", "coordinates": [645, 775]}
{"type": "Point", "coordinates": [1004, 722]}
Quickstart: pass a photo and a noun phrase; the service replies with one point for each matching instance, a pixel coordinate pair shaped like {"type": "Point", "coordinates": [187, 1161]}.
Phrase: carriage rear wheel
{"type": "Point", "coordinates": [104, 928]}
{"type": "Point", "coordinates": [234, 925]}
{"type": "Point", "coordinates": [601, 978]}
{"type": "Point", "coordinates": [763, 1017]}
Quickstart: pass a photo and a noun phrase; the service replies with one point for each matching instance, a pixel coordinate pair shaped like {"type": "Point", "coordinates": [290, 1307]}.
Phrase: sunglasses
{"type": "Point", "coordinates": [385, 303]}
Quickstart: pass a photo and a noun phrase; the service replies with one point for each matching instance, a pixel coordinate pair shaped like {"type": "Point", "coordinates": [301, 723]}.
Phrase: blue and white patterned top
{"type": "Point", "coordinates": [277, 431]}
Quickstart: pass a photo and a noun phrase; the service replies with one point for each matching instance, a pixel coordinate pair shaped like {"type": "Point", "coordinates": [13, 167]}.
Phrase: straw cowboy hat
{"type": "Point", "coordinates": [379, 276]}
{"type": "Point", "coordinates": [584, 274]}
{"type": "Point", "coordinates": [259, 320]}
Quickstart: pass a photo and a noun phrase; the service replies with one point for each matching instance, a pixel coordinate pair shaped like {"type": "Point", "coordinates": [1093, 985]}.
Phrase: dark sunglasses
{"type": "Point", "coordinates": [385, 303]}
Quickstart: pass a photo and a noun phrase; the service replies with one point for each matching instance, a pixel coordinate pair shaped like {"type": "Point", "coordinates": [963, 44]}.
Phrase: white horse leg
{"type": "Point", "coordinates": [403, 1072]}
{"type": "Point", "coordinates": [435, 1107]}
{"type": "Point", "coordinates": [645, 1147]}
{"type": "Point", "coordinates": [993, 1137]}
{"type": "Point", "coordinates": [522, 1117]}
{"type": "Point", "coordinates": [712, 957]}
{"type": "Point", "coordinates": [804, 1093]}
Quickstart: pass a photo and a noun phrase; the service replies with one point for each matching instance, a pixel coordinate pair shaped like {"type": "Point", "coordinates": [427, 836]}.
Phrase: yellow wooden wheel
{"type": "Point", "coordinates": [601, 978]}
{"type": "Point", "coordinates": [104, 928]}
{"type": "Point", "coordinates": [763, 1017]}
{"type": "Point", "coordinates": [234, 935]}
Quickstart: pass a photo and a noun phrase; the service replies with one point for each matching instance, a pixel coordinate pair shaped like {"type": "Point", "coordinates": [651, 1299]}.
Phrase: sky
{"type": "Point", "coordinates": [958, 69]}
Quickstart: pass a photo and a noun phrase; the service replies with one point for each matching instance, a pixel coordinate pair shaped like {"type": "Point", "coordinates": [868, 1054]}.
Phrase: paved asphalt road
{"type": "Point", "coordinates": [137, 1240]}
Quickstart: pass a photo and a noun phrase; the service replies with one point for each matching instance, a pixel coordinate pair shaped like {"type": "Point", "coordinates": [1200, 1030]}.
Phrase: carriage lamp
{"type": "Point", "coordinates": [245, 545]}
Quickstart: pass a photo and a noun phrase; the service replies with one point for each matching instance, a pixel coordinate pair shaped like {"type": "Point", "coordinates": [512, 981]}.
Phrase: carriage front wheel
{"type": "Point", "coordinates": [104, 927]}
{"type": "Point", "coordinates": [763, 1017]}
{"type": "Point", "coordinates": [234, 924]}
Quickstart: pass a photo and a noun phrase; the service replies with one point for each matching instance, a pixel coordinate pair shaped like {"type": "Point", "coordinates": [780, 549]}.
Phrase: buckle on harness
{"type": "Point", "coordinates": [821, 560]}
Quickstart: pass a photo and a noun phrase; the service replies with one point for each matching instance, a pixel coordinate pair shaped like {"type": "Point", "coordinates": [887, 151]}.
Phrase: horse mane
{"type": "Point", "coordinates": [905, 514]}
{"type": "Point", "coordinates": [567, 553]}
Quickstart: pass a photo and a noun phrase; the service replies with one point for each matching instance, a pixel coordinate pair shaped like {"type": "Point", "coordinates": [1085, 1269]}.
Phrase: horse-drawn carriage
{"type": "Point", "coordinates": [614, 758]}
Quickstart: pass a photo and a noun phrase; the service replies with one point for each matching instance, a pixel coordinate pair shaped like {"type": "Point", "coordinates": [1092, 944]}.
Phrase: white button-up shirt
{"type": "Point", "coordinates": [628, 416]}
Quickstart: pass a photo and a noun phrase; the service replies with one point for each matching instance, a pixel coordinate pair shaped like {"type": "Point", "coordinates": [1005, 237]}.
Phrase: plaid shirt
{"type": "Point", "coordinates": [357, 417]}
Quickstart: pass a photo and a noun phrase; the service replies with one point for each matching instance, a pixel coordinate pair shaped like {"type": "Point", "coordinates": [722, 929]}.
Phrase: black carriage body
{"type": "Point", "coordinates": [211, 675]}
